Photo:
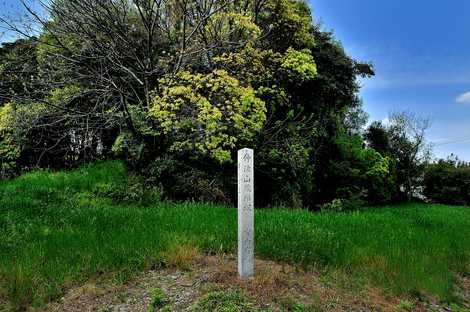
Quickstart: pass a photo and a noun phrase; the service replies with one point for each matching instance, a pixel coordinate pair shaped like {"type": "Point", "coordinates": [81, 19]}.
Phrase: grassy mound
{"type": "Point", "coordinates": [57, 231]}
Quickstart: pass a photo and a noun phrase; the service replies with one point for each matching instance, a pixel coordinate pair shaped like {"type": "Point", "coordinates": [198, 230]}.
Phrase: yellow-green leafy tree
{"type": "Point", "coordinates": [207, 114]}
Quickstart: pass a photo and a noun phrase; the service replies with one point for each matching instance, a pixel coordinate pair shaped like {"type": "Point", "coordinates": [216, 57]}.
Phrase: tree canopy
{"type": "Point", "coordinates": [175, 87]}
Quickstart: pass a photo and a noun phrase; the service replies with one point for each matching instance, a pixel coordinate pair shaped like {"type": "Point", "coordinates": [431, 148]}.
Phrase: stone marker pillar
{"type": "Point", "coordinates": [245, 213]}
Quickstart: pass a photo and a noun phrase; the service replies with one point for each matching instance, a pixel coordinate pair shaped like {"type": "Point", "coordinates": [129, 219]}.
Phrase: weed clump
{"type": "Point", "coordinates": [159, 301]}
{"type": "Point", "coordinates": [220, 301]}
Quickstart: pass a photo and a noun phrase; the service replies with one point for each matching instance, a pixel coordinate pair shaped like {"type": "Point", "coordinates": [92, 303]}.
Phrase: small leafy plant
{"type": "Point", "coordinates": [220, 301]}
{"type": "Point", "coordinates": [159, 301]}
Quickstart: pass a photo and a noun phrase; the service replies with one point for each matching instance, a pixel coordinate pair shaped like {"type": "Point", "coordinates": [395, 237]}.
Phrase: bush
{"type": "Point", "coordinates": [183, 180]}
{"type": "Point", "coordinates": [127, 147]}
{"type": "Point", "coordinates": [343, 205]}
{"type": "Point", "coordinates": [448, 182]}
{"type": "Point", "coordinates": [360, 173]}
{"type": "Point", "coordinates": [133, 190]}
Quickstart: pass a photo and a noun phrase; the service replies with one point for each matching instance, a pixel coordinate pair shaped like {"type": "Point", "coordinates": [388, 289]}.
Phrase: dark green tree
{"type": "Point", "coordinates": [18, 70]}
{"type": "Point", "coordinates": [404, 140]}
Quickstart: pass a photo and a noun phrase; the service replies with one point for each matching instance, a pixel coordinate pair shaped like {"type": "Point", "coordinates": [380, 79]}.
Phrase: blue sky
{"type": "Point", "coordinates": [16, 11]}
{"type": "Point", "coordinates": [421, 53]}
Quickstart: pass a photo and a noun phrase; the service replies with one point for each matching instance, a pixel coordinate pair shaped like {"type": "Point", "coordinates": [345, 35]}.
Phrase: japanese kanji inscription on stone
{"type": "Point", "coordinates": [245, 213]}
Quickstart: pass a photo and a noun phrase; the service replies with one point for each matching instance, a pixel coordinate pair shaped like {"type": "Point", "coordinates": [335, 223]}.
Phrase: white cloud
{"type": "Point", "coordinates": [464, 98]}
{"type": "Point", "coordinates": [386, 121]}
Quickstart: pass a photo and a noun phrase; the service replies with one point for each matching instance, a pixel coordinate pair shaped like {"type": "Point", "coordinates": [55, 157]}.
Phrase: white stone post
{"type": "Point", "coordinates": [245, 213]}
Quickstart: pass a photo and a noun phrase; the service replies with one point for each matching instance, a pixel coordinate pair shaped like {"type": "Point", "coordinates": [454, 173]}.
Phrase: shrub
{"type": "Point", "coordinates": [133, 190]}
{"type": "Point", "coordinates": [344, 205]}
{"type": "Point", "coordinates": [361, 173]}
{"type": "Point", "coordinates": [128, 148]}
{"type": "Point", "coordinates": [183, 180]}
{"type": "Point", "coordinates": [447, 182]}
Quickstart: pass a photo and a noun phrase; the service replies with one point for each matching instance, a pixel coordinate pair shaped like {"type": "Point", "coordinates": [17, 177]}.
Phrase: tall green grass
{"type": "Point", "coordinates": [55, 233]}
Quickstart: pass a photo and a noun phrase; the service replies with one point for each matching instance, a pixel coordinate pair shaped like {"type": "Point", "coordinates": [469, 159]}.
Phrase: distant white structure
{"type": "Point", "coordinates": [246, 241]}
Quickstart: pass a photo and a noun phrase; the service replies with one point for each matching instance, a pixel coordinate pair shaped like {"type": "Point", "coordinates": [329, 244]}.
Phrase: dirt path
{"type": "Point", "coordinates": [276, 287]}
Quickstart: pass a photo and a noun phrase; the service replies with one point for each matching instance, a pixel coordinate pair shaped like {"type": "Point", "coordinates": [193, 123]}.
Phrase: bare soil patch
{"type": "Point", "coordinates": [276, 287]}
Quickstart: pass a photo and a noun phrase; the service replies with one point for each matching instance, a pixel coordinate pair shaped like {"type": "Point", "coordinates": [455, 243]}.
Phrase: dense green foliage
{"type": "Point", "coordinates": [402, 140]}
{"type": "Point", "coordinates": [448, 182]}
{"type": "Point", "coordinates": [176, 87]}
{"type": "Point", "coordinates": [192, 117]}
{"type": "Point", "coordinates": [9, 150]}
{"type": "Point", "coordinates": [59, 229]}
{"type": "Point", "coordinates": [176, 94]}
{"type": "Point", "coordinates": [361, 174]}
{"type": "Point", "coordinates": [18, 69]}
